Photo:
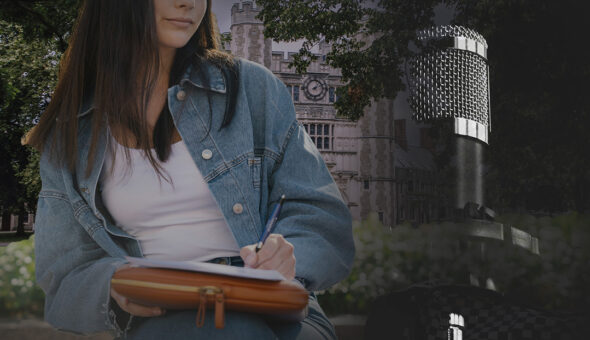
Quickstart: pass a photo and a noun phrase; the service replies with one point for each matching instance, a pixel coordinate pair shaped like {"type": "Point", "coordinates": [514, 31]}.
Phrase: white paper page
{"type": "Point", "coordinates": [212, 268]}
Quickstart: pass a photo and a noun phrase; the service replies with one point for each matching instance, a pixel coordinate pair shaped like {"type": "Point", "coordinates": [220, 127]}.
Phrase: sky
{"type": "Point", "coordinates": [222, 9]}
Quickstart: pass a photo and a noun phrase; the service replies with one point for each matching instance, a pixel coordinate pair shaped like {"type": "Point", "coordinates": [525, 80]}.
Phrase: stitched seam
{"type": "Point", "coordinates": [187, 79]}
{"type": "Point", "coordinates": [255, 163]}
{"type": "Point", "coordinates": [54, 194]}
{"type": "Point", "coordinates": [79, 208]}
{"type": "Point", "coordinates": [271, 154]}
{"type": "Point", "coordinates": [92, 229]}
{"type": "Point", "coordinates": [279, 161]}
{"type": "Point", "coordinates": [225, 167]}
{"type": "Point", "coordinates": [212, 89]}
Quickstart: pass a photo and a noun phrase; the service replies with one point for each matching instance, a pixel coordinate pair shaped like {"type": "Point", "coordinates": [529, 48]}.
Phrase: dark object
{"type": "Point", "coordinates": [449, 87]}
{"type": "Point", "coordinates": [424, 313]}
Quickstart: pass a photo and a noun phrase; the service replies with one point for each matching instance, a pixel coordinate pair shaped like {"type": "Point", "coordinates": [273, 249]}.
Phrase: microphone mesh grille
{"type": "Point", "coordinates": [449, 82]}
{"type": "Point", "coordinates": [453, 31]}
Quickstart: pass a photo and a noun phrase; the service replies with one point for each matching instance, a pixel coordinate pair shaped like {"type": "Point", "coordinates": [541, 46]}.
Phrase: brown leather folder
{"type": "Point", "coordinates": [179, 289]}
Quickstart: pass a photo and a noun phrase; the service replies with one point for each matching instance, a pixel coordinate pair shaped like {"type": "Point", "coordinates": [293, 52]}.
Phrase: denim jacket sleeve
{"type": "Point", "coordinates": [314, 217]}
{"type": "Point", "coordinates": [71, 268]}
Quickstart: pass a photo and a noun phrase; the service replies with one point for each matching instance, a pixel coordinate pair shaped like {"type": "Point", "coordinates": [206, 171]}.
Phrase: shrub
{"type": "Point", "coordinates": [389, 259]}
{"type": "Point", "coordinates": [19, 295]}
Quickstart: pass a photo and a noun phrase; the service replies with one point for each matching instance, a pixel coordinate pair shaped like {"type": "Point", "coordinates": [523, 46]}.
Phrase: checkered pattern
{"type": "Point", "coordinates": [488, 316]}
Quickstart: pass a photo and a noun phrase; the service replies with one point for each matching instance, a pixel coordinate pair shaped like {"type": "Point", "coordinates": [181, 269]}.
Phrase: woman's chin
{"type": "Point", "coordinates": [174, 41]}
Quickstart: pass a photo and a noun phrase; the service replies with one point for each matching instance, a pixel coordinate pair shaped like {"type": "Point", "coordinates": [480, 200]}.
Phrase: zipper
{"type": "Point", "coordinates": [206, 294]}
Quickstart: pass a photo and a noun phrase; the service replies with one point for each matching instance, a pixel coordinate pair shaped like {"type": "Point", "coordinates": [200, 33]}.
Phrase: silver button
{"type": "Point", "coordinates": [181, 95]}
{"type": "Point", "coordinates": [207, 154]}
{"type": "Point", "coordinates": [238, 208]}
{"type": "Point", "coordinates": [85, 190]}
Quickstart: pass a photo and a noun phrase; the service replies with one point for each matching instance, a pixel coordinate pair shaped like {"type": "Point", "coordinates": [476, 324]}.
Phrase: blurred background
{"type": "Point", "coordinates": [346, 64]}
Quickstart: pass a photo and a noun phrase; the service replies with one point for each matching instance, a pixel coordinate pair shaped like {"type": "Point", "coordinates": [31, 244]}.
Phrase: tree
{"type": "Point", "coordinates": [42, 20]}
{"type": "Point", "coordinates": [540, 82]}
{"type": "Point", "coordinates": [539, 153]}
{"type": "Point", "coordinates": [10, 127]}
{"type": "Point", "coordinates": [369, 43]}
{"type": "Point", "coordinates": [28, 73]}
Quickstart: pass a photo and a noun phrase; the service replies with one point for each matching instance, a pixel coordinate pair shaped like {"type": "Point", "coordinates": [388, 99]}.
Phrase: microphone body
{"type": "Point", "coordinates": [449, 87]}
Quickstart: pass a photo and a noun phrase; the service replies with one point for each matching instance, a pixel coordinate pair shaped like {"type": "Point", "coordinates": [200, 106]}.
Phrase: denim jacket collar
{"type": "Point", "coordinates": [215, 83]}
{"type": "Point", "coordinates": [88, 184]}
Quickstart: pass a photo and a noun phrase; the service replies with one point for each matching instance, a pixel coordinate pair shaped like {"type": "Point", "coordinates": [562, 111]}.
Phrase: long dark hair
{"type": "Point", "coordinates": [113, 41]}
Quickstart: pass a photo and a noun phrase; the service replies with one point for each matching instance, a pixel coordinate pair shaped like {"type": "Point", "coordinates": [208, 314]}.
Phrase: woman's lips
{"type": "Point", "coordinates": [180, 22]}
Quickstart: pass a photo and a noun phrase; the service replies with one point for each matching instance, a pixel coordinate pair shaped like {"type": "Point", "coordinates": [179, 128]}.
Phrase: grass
{"type": "Point", "coordinates": [10, 236]}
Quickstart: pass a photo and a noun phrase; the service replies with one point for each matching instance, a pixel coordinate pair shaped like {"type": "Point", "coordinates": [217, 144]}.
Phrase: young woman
{"type": "Point", "coordinates": [157, 144]}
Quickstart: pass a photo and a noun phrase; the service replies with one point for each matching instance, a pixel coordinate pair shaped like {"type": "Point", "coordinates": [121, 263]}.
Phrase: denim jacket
{"type": "Point", "coordinates": [78, 246]}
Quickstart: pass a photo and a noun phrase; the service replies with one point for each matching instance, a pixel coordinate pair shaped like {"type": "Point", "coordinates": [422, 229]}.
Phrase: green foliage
{"type": "Point", "coordinates": [382, 262]}
{"type": "Point", "coordinates": [225, 38]}
{"type": "Point", "coordinates": [561, 280]}
{"type": "Point", "coordinates": [29, 177]}
{"type": "Point", "coordinates": [19, 295]}
{"type": "Point", "coordinates": [373, 70]}
{"type": "Point", "coordinates": [42, 20]}
{"type": "Point", "coordinates": [33, 35]}
{"type": "Point", "coordinates": [393, 259]}
{"type": "Point", "coordinates": [10, 237]}
{"type": "Point", "coordinates": [28, 73]}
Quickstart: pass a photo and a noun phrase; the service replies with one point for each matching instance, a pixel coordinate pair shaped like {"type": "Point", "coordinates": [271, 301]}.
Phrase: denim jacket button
{"type": "Point", "coordinates": [206, 154]}
{"type": "Point", "coordinates": [238, 208]}
{"type": "Point", "coordinates": [181, 95]}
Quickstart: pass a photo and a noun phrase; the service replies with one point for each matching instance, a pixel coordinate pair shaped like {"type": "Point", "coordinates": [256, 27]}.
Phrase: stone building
{"type": "Point", "coordinates": [9, 222]}
{"type": "Point", "coordinates": [418, 198]}
{"type": "Point", "coordinates": [358, 154]}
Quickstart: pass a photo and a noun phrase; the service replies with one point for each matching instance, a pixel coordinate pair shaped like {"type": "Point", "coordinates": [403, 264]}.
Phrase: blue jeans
{"type": "Point", "coordinates": [238, 325]}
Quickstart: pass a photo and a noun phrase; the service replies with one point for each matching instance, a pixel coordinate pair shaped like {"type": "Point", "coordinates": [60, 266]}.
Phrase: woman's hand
{"type": "Point", "coordinates": [276, 253]}
{"type": "Point", "coordinates": [134, 308]}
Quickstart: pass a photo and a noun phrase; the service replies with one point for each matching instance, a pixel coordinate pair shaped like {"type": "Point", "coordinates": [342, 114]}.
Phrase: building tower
{"type": "Point", "coordinates": [247, 39]}
{"type": "Point", "coordinates": [376, 172]}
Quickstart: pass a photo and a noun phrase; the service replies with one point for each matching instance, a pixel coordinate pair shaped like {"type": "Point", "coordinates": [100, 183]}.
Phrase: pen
{"type": "Point", "coordinates": [271, 223]}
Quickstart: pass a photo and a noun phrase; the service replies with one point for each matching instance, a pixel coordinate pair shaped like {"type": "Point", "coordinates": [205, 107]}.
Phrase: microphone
{"type": "Point", "coordinates": [449, 87]}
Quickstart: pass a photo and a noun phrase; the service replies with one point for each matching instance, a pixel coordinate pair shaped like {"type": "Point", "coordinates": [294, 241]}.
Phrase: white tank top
{"type": "Point", "coordinates": [172, 221]}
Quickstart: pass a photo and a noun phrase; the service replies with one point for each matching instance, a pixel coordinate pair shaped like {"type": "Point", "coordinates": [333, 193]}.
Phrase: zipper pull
{"type": "Point", "coordinates": [201, 310]}
{"type": "Point", "coordinates": [219, 311]}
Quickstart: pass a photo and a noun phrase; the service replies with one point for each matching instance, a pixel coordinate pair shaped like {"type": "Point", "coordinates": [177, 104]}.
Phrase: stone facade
{"type": "Point", "coordinates": [419, 198]}
{"type": "Point", "coordinates": [247, 38]}
{"type": "Point", "coordinates": [9, 222]}
{"type": "Point", "coordinates": [358, 154]}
